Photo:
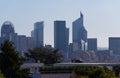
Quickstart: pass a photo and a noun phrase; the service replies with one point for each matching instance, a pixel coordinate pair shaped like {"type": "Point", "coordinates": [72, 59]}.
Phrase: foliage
{"type": "Point", "coordinates": [10, 62]}
{"type": "Point", "coordinates": [94, 72]}
{"type": "Point", "coordinates": [1, 75]}
{"type": "Point", "coordinates": [56, 69]}
{"type": "Point", "coordinates": [81, 71]}
{"type": "Point", "coordinates": [44, 55]}
{"type": "Point", "coordinates": [116, 69]}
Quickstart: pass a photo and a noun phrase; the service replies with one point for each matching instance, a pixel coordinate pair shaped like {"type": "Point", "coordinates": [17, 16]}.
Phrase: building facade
{"type": "Point", "coordinates": [30, 43]}
{"type": "Point", "coordinates": [79, 34]}
{"type": "Point", "coordinates": [114, 45]}
{"type": "Point", "coordinates": [61, 36]}
{"type": "Point", "coordinates": [22, 44]}
{"type": "Point", "coordinates": [38, 34]}
{"type": "Point", "coordinates": [92, 44]}
{"type": "Point", "coordinates": [7, 31]}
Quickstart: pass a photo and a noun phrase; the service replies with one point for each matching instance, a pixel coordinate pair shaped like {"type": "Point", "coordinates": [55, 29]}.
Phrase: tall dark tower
{"type": "Point", "coordinates": [61, 35]}
{"type": "Point", "coordinates": [38, 34]}
{"type": "Point", "coordinates": [79, 34]}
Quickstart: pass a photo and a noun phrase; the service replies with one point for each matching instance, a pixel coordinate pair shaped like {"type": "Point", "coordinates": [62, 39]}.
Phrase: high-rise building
{"type": "Point", "coordinates": [114, 45]}
{"type": "Point", "coordinates": [67, 41]}
{"type": "Point", "coordinates": [92, 44]}
{"type": "Point", "coordinates": [61, 36]}
{"type": "Point", "coordinates": [15, 40]}
{"type": "Point", "coordinates": [79, 34]}
{"type": "Point", "coordinates": [30, 43]}
{"type": "Point", "coordinates": [7, 31]}
{"type": "Point", "coordinates": [38, 34]}
{"type": "Point", "coordinates": [22, 44]}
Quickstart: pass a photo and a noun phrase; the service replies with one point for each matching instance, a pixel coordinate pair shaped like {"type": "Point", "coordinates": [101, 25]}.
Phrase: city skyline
{"type": "Point", "coordinates": [101, 17]}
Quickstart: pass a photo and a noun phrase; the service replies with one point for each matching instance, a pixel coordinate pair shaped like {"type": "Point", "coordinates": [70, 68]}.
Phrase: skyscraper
{"type": "Point", "coordinates": [22, 44]}
{"type": "Point", "coordinates": [38, 34]}
{"type": "Point", "coordinates": [92, 44]}
{"type": "Point", "coordinates": [114, 45]}
{"type": "Point", "coordinates": [79, 34]}
{"type": "Point", "coordinates": [30, 42]}
{"type": "Point", "coordinates": [67, 41]}
{"type": "Point", "coordinates": [7, 31]}
{"type": "Point", "coordinates": [61, 36]}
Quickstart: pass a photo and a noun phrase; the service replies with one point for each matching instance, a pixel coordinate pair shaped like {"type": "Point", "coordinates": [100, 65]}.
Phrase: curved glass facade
{"type": "Point", "coordinates": [7, 31]}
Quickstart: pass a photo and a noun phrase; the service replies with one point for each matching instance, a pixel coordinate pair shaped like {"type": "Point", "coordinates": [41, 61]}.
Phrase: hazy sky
{"type": "Point", "coordinates": [101, 17]}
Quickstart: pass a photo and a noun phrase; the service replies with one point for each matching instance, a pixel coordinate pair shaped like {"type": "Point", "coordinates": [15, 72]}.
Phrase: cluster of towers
{"type": "Point", "coordinates": [61, 36]}
{"type": "Point", "coordinates": [21, 42]}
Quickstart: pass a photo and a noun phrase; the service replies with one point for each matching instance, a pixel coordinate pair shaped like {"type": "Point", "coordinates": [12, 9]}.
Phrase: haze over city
{"type": "Point", "coordinates": [101, 18]}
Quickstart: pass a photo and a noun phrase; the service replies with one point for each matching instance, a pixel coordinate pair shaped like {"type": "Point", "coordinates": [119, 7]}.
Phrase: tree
{"type": "Point", "coordinates": [44, 55]}
{"type": "Point", "coordinates": [1, 75]}
{"type": "Point", "coordinates": [10, 62]}
{"type": "Point", "coordinates": [93, 72]}
{"type": "Point", "coordinates": [116, 69]}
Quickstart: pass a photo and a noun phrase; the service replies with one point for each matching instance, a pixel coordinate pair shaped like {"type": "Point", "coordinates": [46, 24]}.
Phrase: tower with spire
{"type": "Point", "coordinates": [79, 34]}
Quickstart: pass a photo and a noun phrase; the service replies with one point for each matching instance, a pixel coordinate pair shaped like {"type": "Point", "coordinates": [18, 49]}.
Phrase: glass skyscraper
{"type": "Point", "coordinates": [79, 34]}
{"type": "Point", "coordinates": [38, 34]}
{"type": "Point", "coordinates": [61, 36]}
{"type": "Point", "coordinates": [7, 31]}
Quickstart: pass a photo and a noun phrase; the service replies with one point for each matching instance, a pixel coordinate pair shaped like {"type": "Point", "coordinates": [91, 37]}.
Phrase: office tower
{"type": "Point", "coordinates": [7, 31]}
{"type": "Point", "coordinates": [38, 34]}
{"type": "Point", "coordinates": [79, 34]}
{"type": "Point", "coordinates": [61, 36]}
{"type": "Point", "coordinates": [22, 44]}
{"type": "Point", "coordinates": [114, 45]}
{"type": "Point", "coordinates": [30, 43]}
{"type": "Point", "coordinates": [15, 40]}
{"type": "Point", "coordinates": [92, 44]}
{"type": "Point", "coordinates": [67, 37]}
{"type": "Point", "coordinates": [67, 41]}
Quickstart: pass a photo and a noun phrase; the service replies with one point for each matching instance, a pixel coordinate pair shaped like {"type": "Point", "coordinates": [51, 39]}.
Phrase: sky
{"type": "Point", "coordinates": [101, 17]}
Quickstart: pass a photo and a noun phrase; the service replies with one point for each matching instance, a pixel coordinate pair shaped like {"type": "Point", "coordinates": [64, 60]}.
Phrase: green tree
{"type": "Point", "coordinates": [93, 72]}
{"type": "Point", "coordinates": [44, 55]}
{"type": "Point", "coordinates": [10, 62]}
